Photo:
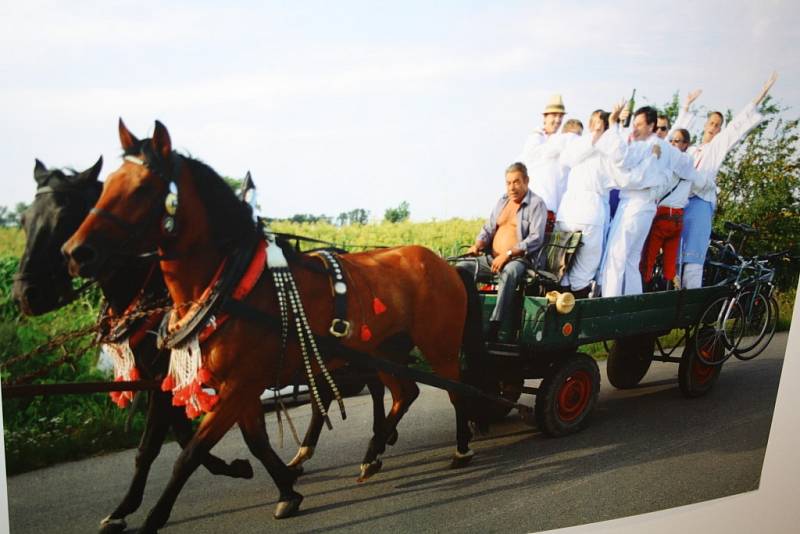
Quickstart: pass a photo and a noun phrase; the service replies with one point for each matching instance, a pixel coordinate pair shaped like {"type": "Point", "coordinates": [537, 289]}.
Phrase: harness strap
{"type": "Point", "coordinates": [360, 359]}
{"type": "Point", "coordinates": [340, 326]}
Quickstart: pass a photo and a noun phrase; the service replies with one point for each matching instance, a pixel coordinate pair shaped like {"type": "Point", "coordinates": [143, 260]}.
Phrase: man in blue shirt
{"type": "Point", "coordinates": [510, 239]}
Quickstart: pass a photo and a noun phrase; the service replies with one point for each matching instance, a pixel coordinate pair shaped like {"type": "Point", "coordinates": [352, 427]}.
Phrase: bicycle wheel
{"type": "Point", "coordinates": [771, 323]}
{"type": "Point", "coordinates": [719, 331]}
{"type": "Point", "coordinates": [756, 320]}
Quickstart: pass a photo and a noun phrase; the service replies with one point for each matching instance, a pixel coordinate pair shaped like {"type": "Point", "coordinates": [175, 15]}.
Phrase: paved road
{"type": "Point", "coordinates": [646, 449]}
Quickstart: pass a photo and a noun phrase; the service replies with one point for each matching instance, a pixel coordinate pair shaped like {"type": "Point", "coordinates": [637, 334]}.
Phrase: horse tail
{"type": "Point", "coordinates": [477, 368]}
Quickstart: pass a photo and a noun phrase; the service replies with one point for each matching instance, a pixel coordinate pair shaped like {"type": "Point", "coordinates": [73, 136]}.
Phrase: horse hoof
{"type": "Point", "coordinates": [241, 469]}
{"type": "Point", "coordinates": [367, 470]}
{"type": "Point", "coordinates": [392, 439]}
{"type": "Point", "coordinates": [110, 525]}
{"type": "Point", "coordinates": [461, 460]}
{"type": "Point", "coordinates": [288, 508]}
{"type": "Point", "coordinates": [303, 454]}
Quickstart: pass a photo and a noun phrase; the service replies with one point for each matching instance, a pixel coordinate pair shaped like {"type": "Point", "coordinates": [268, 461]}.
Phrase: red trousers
{"type": "Point", "coordinates": [551, 222]}
{"type": "Point", "coordinates": [665, 233]}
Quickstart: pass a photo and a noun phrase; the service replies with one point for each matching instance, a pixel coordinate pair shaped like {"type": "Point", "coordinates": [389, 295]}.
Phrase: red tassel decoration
{"type": "Point", "coordinates": [168, 384]}
{"type": "Point", "coordinates": [377, 306]}
{"type": "Point", "coordinates": [134, 374]}
{"type": "Point", "coordinates": [366, 333]}
{"type": "Point", "coordinates": [191, 411]}
{"type": "Point", "coordinates": [206, 401]}
{"type": "Point", "coordinates": [204, 376]}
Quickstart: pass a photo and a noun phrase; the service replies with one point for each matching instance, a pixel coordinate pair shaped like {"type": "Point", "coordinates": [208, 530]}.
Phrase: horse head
{"type": "Point", "coordinates": [63, 199]}
{"type": "Point", "coordinates": [134, 198]}
{"type": "Point", "coordinates": [159, 199]}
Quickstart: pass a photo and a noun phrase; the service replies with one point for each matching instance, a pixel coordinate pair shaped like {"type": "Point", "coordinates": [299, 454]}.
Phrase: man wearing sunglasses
{"type": "Point", "coordinates": [662, 126]}
{"type": "Point", "coordinates": [665, 233]}
{"type": "Point", "coordinates": [708, 157]}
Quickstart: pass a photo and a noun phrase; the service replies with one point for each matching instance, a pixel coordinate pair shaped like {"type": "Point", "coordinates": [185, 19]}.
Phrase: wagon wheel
{"type": "Point", "coordinates": [568, 395]}
{"type": "Point", "coordinates": [510, 389]}
{"type": "Point", "coordinates": [629, 359]}
{"type": "Point", "coordinates": [694, 376]}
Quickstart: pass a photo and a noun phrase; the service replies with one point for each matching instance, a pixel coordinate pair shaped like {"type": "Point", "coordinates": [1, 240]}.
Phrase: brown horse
{"type": "Point", "coordinates": [42, 284]}
{"type": "Point", "coordinates": [423, 300]}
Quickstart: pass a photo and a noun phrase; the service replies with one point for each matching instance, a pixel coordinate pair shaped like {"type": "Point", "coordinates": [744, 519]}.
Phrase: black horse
{"type": "Point", "coordinates": [42, 283]}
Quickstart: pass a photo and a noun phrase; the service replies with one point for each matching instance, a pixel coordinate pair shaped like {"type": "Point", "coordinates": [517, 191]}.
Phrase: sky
{"type": "Point", "coordinates": [345, 105]}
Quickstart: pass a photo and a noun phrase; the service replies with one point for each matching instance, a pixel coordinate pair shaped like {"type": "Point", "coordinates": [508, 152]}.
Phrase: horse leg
{"type": "Point", "coordinates": [254, 431]}
{"type": "Point", "coordinates": [156, 427]}
{"type": "Point", "coordinates": [377, 391]}
{"type": "Point", "coordinates": [404, 392]}
{"type": "Point", "coordinates": [211, 430]}
{"type": "Point", "coordinates": [438, 351]}
{"type": "Point", "coordinates": [463, 454]}
{"type": "Point", "coordinates": [306, 450]}
{"type": "Point", "coordinates": [182, 428]}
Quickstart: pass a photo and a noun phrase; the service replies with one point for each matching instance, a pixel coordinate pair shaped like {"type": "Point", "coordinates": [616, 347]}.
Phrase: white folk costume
{"type": "Point", "coordinates": [584, 206]}
{"type": "Point", "coordinates": [643, 178]}
{"type": "Point", "coordinates": [699, 211]}
{"type": "Point", "coordinates": [548, 176]}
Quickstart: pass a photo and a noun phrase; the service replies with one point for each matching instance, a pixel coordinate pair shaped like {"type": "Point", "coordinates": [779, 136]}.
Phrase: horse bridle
{"type": "Point", "coordinates": [168, 172]}
{"type": "Point", "coordinates": [49, 273]}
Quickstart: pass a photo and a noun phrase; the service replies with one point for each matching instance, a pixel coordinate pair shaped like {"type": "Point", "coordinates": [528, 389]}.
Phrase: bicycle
{"type": "Point", "coordinates": [743, 323]}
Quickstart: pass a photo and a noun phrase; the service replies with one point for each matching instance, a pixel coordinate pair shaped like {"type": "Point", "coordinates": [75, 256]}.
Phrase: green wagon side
{"type": "Point", "coordinates": [538, 342]}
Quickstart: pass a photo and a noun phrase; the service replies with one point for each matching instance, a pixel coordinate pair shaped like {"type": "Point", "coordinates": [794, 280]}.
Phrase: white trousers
{"type": "Point", "coordinates": [626, 239]}
{"type": "Point", "coordinates": [587, 258]}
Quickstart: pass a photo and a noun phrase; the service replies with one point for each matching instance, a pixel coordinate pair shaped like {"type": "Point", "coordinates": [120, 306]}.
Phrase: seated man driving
{"type": "Point", "coordinates": [511, 238]}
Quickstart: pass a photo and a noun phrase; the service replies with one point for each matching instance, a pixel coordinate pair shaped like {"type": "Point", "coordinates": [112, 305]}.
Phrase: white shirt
{"type": "Point", "coordinates": [639, 173]}
{"type": "Point", "coordinates": [683, 179]}
{"type": "Point", "coordinates": [585, 200]}
{"type": "Point", "coordinates": [708, 157]}
{"type": "Point", "coordinates": [547, 175]}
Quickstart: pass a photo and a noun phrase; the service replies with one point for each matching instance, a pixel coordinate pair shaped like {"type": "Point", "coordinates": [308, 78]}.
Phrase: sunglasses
{"type": "Point", "coordinates": [676, 141]}
{"type": "Point", "coordinates": [662, 128]}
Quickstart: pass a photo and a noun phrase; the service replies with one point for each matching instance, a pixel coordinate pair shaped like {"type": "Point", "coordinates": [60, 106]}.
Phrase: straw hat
{"type": "Point", "coordinates": [554, 105]}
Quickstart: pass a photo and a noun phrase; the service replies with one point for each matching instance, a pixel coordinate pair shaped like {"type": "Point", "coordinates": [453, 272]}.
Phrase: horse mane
{"type": "Point", "coordinates": [230, 218]}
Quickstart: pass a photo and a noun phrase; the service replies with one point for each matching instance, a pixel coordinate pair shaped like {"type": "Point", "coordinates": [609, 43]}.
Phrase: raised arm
{"type": "Point", "coordinates": [764, 90]}
{"type": "Point", "coordinates": [686, 116]}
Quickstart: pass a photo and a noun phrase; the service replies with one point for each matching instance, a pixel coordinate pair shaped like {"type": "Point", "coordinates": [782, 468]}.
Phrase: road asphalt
{"type": "Point", "coordinates": [646, 449]}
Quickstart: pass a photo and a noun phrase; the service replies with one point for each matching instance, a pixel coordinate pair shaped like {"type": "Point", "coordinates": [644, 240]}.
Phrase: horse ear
{"type": "Point", "coordinates": [92, 173]}
{"type": "Point", "coordinates": [126, 138]}
{"type": "Point", "coordinates": [162, 144]}
{"type": "Point", "coordinates": [40, 173]}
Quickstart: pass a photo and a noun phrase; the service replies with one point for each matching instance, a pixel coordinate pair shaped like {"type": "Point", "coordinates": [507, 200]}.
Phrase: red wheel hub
{"type": "Point", "coordinates": [702, 373]}
{"type": "Point", "coordinates": [573, 395]}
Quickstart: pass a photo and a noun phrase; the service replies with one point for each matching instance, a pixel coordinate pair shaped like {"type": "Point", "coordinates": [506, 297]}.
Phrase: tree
{"type": "Point", "coordinates": [356, 216]}
{"type": "Point", "coordinates": [19, 209]}
{"type": "Point", "coordinates": [759, 184]}
{"type": "Point", "coordinates": [398, 214]}
{"type": "Point", "coordinates": [671, 108]}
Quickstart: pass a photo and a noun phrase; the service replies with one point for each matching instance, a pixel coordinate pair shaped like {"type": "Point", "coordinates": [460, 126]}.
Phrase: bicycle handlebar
{"type": "Point", "coordinates": [742, 227]}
